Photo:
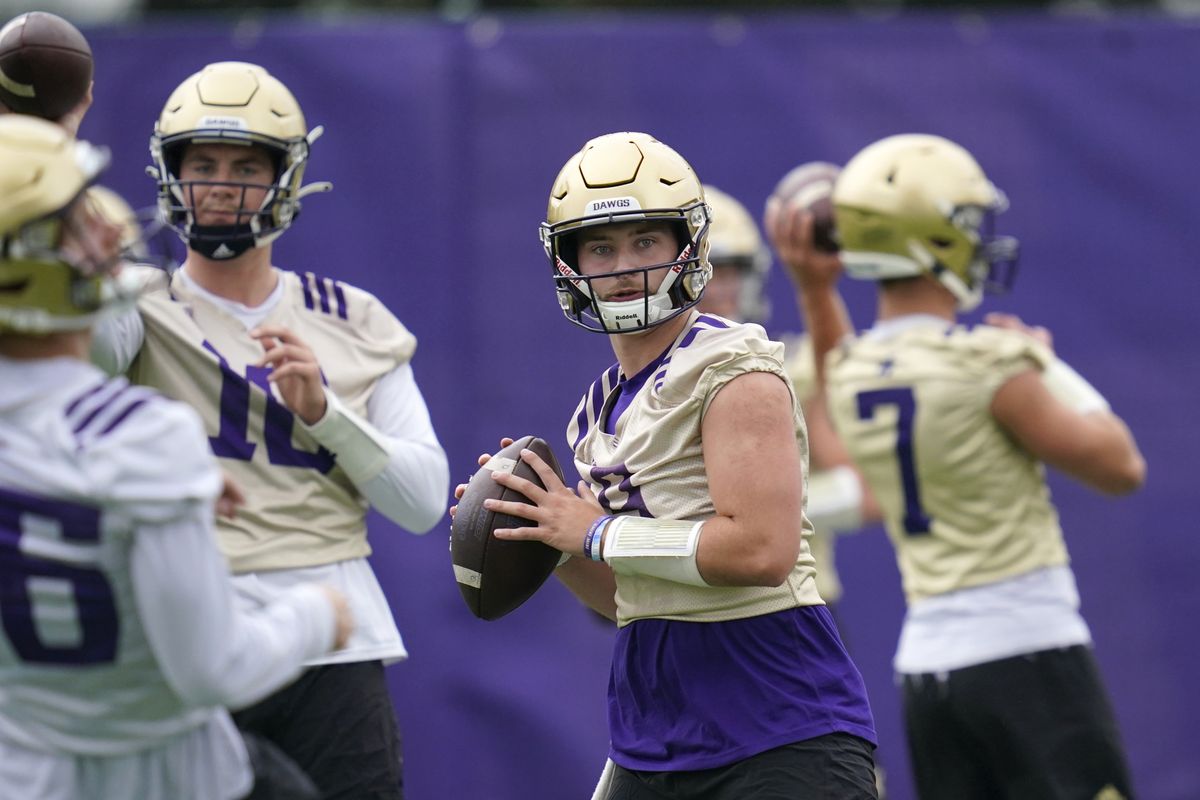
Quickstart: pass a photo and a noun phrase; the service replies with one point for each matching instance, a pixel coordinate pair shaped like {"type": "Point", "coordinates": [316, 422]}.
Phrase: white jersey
{"type": "Point", "coordinates": [653, 464]}
{"type": "Point", "coordinates": [119, 638]}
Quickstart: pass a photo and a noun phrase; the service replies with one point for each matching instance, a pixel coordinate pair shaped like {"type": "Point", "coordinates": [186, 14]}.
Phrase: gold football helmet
{"type": "Point", "coordinates": [917, 204]}
{"type": "Point", "coordinates": [623, 177]}
{"type": "Point", "coordinates": [734, 240]}
{"type": "Point", "coordinates": [46, 284]}
{"type": "Point", "coordinates": [232, 102]}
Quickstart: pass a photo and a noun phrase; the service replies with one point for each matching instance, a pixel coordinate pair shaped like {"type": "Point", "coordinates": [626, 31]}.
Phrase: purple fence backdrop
{"type": "Point", "coordinates": [442, 142]}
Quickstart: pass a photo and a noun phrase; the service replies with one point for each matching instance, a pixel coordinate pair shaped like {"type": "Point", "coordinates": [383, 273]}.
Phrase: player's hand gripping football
{"type": "Point", "coordinates": [295, 371]}
{"type": "Point", "coordinates": [789, 226]}
{"type": "Point", "coordinates": [562, 515]}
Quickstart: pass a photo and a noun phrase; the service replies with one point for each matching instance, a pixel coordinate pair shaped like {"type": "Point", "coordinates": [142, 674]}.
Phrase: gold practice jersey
{"type": "Point", "coordinates": [653, 463]}
{"type": "Point", "coordinates": [963, 503]}
{"type": "Point", "coordinates": [198, 353]}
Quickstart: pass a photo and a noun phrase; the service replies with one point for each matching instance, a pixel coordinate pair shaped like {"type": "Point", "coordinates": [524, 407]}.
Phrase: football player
{"type": "Point", "coordinates": [838, 502]}
{"type": "Point", "coordinates": [121, 638]}
{"type": "Point", "coordinates": [728, 677]}
{"type": "Point", "coordinates": [308, 398]}
{"type": "Point", "coordinates": [952, 426]}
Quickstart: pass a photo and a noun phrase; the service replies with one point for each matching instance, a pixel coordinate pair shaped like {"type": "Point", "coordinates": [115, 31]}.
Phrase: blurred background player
{"type": "Point", "coordinates": [111, 677]}
{"type": "Point", "coordinates": [688, 526]}
{"type": "Point", "coordinates": [308, 397]}
{"type": "Point", "coordinates": [951, 426]}
{"type": "Point", "coordinates": [837, 500]}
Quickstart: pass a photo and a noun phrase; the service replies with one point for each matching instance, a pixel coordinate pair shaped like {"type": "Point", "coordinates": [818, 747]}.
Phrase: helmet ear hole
{"type": "Point", "coordinates": [567, 249]}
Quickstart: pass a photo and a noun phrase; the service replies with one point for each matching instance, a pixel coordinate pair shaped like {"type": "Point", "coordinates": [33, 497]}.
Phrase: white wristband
{"type": "Point", "coordinates": [361, 450]}
{"type": "Point", "coordinates": [1070, 388]}
{"type": "Point", "coordinates": [835, 500]}
{"type": "Point", "coordinates": [660, 548]}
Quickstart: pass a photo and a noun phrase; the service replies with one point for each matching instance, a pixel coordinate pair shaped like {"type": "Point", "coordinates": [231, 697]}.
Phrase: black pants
{"type": "Point", "coordinates": [836, 766]}
{"type": "Point", "coordinates": [276, 777]}
{"type": "Point", "coordinates": [337, 723]}
{"type": "Point", "coordinates": [1032, 727]}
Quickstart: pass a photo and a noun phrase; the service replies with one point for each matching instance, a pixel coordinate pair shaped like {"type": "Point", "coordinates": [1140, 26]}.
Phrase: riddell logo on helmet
{"type": "Point", "coordinates": [612, 204]}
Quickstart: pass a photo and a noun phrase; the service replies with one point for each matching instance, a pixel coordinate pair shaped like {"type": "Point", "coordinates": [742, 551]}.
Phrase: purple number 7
{"type": "Point", "coordinates": [916, 521]}
{"type": "Point", "coordinates": [96, 609]}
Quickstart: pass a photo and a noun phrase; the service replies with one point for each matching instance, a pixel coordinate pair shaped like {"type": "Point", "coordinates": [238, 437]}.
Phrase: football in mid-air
{"type": "Point", "coordinates": [497, 575]}
{"type": "Point", "coordinates": [810, 186]}
{"type": "Point", "coordinates": [45, 65]}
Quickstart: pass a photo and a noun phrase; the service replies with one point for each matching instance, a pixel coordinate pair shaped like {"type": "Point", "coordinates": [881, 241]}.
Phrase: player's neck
{"type": "Point", "coordinates": [635, 350]}
{"type": "Point", "coordinates": [63, 344]}
{"type": "Point", "coordinates": [923, 296]}
{"type": "Point", "coordinates": [248, 279]}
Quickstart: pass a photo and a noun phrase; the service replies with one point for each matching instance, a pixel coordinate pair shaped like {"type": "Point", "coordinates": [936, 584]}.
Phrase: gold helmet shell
{"type": "Point", "coordinates": [624, 177]}
{"type": "Point", "coordinates": [233, 102]}
{"type": "Point", "coordinates": [918, 204]}
{"type": "Point", "coordinates": [44, 172]}
{"type": "Point", "coordinates": [734, 239]}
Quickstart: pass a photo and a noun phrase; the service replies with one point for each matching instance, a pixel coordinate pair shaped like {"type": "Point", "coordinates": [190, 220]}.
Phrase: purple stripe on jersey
{"type": "Point", "coordinates": [710, 322]}
{"type": "Point", "coordinates": [700, 695]}
{"type": "Point", "coordinates": [304, 283]}
{"type": "Point", "coordinates": [629, 389]}
{"type": "Point", "coordinates": [115, 411]}
{"type": "Point", "coordinates": [323, 294]}
{"type": "Point", "coordinates": [75, 403]}
{"type": "Point", "coordinates": [602, 387]}
{"type": "Point", "coordinates": [119, 387]}
{"type": "Point", "coordinates": [716, 322]}
{"type": "Point", "coordinates": [111, 426]}
{"type": "Point", "coordinates": [581, 423]}
{"type": "Point", "coordinates": [340, 296]}
{"type": "Point", "coordinates": [596, 393]}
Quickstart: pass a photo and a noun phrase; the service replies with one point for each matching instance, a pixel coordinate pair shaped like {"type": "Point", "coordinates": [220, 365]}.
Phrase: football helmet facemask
{"type": "Point", "coordinates": [917, 204]}
{"type": "Point", "coordinates": [48, 284]}
{"type": "Point", "coordinates": [232, 102]}
{"type": "Point", "coordinates": [625, 177]}
{"type": "Point", "coordinates": [734, 239]}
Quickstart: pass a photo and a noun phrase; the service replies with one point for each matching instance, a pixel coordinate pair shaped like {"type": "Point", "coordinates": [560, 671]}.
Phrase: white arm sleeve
{"type": "Point", "coordinates": [835, 500]}
{"type": "Point", "coordinates": [393, 457]}
{"type": "Point", "coordinates": [1072, 389]}
{"type": "Point", "coordinates": [211, 653]}
{"type": "Point", "coordinates": [116, 341]}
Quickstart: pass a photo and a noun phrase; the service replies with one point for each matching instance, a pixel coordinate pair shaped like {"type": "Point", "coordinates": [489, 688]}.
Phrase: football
{"type": "Point", "coordinates": [45, 65]}
{"type": "Point", "coordinates": [495, 576]}
{"type": "Point", "coordinates": [811, 185]}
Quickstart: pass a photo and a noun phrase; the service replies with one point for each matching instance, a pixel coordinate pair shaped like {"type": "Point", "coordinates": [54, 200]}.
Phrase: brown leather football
{"type": "Point", "coordinates": [811, 184]}
{"type": "Point", "coordinates": [45, 65]}
{"type": "Point", "coordinates": [494, 575]}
